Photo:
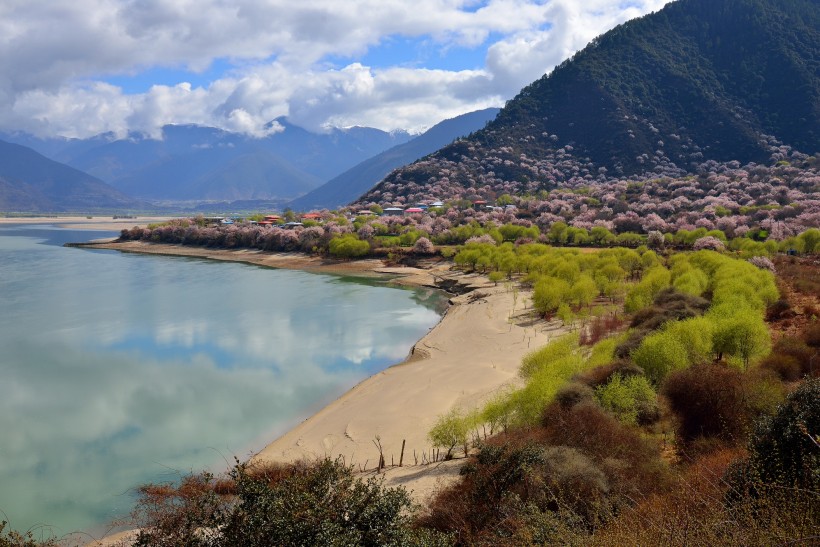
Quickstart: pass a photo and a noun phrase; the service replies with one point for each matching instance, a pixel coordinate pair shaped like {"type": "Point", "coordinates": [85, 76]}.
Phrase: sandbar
{"type": "Point", "coordinates": [86, 222]}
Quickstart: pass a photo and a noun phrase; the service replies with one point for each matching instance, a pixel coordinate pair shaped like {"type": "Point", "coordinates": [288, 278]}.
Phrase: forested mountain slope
{"type": "Point", "coordinates": [700, 80]}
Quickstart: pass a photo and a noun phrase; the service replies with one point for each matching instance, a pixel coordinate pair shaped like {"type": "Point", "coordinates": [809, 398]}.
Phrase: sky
{"type": "Point", "coordinates": [78, 68]}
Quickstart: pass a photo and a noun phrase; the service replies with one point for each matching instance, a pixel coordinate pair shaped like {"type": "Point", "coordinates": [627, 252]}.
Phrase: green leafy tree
{"type": "Point", "coordinates": [659, 354]}
{"type": "Point", "coordinates": [495, 277]}
{"type": "Point", "coordinates": [811, 240]}
{"type": "Point", "coordinates": [743, 335]}
{"type": "Point", "coordinates": [449, 431]}
{"type": "Point", "coordinates": [601, 236]}
{"type": "Point", "coordinates": [348, 246]}
{"type": "Point", "coordinates": [549, 293]}
{"type": "Point", "coordinates": [583, 291]}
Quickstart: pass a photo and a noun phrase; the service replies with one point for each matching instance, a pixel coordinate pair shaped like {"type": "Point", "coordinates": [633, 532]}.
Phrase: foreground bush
{"type": "Point", "coordinates": [10, 538]}
{"type": "Point", "coordinates": [303, 504]}
{"type": "Point", "coordinates": [784, 449]}
{"type": "Point", "coordinates": [694, 512]}
{"type": "Point", "coordinates": [550, 484]}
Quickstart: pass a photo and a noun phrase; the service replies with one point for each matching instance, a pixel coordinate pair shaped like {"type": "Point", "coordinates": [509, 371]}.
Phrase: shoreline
{"type": "Point", "coordinates": [470, 355]}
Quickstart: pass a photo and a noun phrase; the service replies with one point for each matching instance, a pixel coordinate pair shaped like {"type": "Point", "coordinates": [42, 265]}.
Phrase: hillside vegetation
{"type": "Point", "coordinates": [699, 81]}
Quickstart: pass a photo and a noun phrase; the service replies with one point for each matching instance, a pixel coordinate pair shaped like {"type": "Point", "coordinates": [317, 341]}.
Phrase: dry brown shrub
{"type": "Point", "coordinates": [780, 309]}
{"type": "Point", "coordinates": [694, 513]}
{"type": "Point", "coordinates": [709, 402]}
{"type": "Point", "coordinates": [631, 461]}
{"type": "Point", "coordinates": [812, 334]}
{"type": "Point", "coordinates": [785, 366]}
{"type": "Point", "coordinates": [550, 484]}
{"type": "Point", "coordinates": [574, 393]}
{"type": "Point", "coordinates": [170, 514]}
{"type": "Point", "coordinates": [601, 327]}
{"type": "Point", "coordinates": [791, 358]}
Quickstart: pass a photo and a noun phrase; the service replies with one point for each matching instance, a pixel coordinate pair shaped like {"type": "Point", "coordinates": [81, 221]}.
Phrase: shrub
{"type": "Point", "coordinates": [10, 538]}
{"type": "Point", "coordinates": [574, 393]}
{"type": "Point", "coordinates": [763, 263]}
{"type": "Point", "coordinates": [424, 246]}
{"type": "Point", "coordinates": [642, 294]}
{"type": "Point", "coordinates": [686, 304]}
{"type": "Point", "coordinates": [743, 334]}
{"type": "Point", "coordinates": [783, 449]}
{"type": "Point", "coordinates": [708, 401]}
{"type": "Point", "coordinates": [708, 242]}
{"type": "Point", "coordinates": [693, 282]}
{"type": "Point", "coordinates": [668, 305]}
{"type": "Point", "coordinates": [601, 327]}
{"type": "Point", "coordinates": [812, 334]}
{"type": "Point", "coordinates": [600, 375]}
{"type": "Point", "coordinates": [348, 246]}
{"type": "Point", "coordinates": [554, 355]}
{"type": "Point", "coordinates": [320, 504]}
{"type": "Point", "coordinates": [496, 276]}
{"type": "Point", "coordinates": [694, 513]}
{"type": "Point", "coordinates": [303, 504]}
{"type": "Point", "coordinates": [631, 399]}
{"type": "Point", "coordinates": [655, 240]}
{"type": "Point", "coordinates": [778, 310]}
{"type": "Point", "coordinates": [549, 293]}
{"type": "Point", "coordinates": [785, 366]}
{"type": "Point", "coordinates": [696, 335]}
{"type": "Point", "coordinates": [473, 507]}
{"type": "Point", "coordinates": [631, 462]}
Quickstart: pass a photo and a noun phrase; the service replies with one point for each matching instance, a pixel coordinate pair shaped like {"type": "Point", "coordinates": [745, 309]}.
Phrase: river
{"type": "Point", "coordinates": [119, 369]}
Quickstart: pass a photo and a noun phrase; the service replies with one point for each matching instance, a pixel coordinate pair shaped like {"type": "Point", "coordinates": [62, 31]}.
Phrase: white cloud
{"type": "Point", "coordinates": [55, 56]}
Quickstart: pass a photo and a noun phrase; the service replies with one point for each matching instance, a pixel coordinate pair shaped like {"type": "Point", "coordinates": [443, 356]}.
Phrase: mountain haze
{"type": "Point", "coordinates": [204, 163]}
{"type": "Point", "coordinates": [354, 182]}
{"type": "Point", "coordinates": [699, 80]}
{"type": "Point", "coordinates": [30, 182]}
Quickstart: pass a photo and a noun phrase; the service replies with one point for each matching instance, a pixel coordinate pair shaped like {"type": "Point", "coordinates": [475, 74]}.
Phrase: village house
{"type": "Point", "coordinates": [270, 220]}
{"type": "Point", "coordinates": [393, 212]}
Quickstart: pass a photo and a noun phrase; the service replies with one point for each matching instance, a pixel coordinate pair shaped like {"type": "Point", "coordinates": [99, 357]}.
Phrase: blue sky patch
{"type": "Point", "coordinates": [141, 81]}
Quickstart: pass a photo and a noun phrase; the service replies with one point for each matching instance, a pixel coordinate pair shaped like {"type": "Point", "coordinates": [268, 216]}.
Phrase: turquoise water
{"type": "Point", "coordinates": [117, 369]}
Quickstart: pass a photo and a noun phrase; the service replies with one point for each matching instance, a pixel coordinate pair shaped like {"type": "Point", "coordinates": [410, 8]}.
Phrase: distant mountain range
{"type": "Point", "coordinates": [31, 182]}
{"type": "Point", "coordinates": [354, 182]}
{"type": "Point", "coordinates": [203, 163]}
{"type": "Point", "coordinates": [204, 167]}
{"type": "Point", "coordinates": [699, 80]}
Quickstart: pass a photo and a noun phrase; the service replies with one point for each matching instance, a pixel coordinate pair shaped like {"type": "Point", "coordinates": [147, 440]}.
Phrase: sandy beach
{"type": "Point", "coordinates": [473, 353]}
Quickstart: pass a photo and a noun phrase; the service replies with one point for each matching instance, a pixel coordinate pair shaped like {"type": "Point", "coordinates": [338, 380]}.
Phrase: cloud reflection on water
{"type": "Point", "coordinates": [118, 369]}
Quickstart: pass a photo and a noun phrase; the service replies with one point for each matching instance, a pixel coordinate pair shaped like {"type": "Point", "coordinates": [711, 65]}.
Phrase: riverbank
{"type": "Point", "coordinates": [473, 353]}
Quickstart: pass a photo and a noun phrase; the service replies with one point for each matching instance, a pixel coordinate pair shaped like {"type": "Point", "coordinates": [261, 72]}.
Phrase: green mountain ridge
{"type": "Point", "coordinates": [700, 80]}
